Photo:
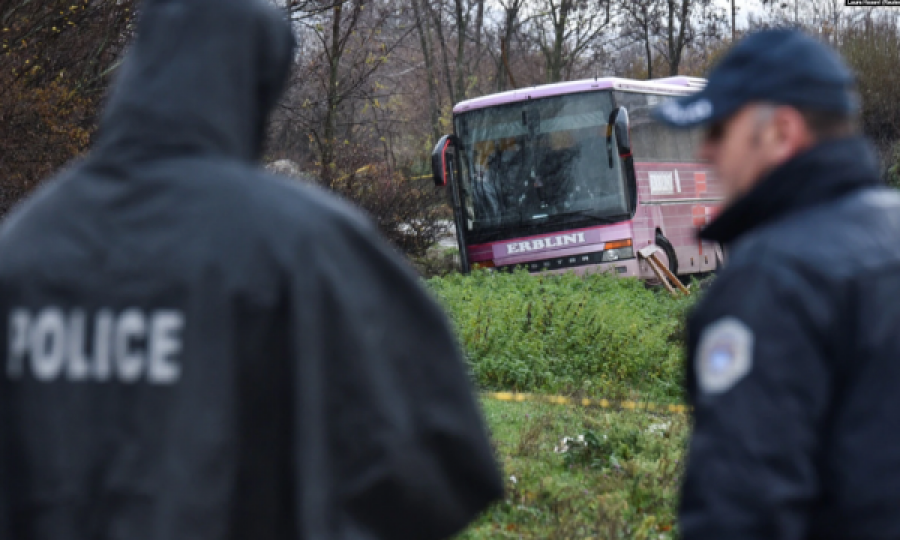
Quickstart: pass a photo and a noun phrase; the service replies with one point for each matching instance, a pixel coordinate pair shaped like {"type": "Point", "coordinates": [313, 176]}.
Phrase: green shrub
{"type": "Point", "coordinates": [597, 335]}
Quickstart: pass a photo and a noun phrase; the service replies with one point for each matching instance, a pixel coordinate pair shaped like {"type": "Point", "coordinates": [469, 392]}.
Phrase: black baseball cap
{"type": "Point", "coordinates": [782, 66]}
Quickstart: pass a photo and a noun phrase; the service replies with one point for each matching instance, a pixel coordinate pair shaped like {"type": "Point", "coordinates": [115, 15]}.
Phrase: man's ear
{"type": "Point", "coordinates": [792, 135]}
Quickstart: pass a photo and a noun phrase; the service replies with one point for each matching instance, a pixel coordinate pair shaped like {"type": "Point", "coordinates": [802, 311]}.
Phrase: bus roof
{"type": "Point", "coordinates": [676, 86]}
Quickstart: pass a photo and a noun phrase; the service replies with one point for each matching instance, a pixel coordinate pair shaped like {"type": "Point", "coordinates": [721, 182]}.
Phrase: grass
{"type": "Point", "coordinates": [599, 335]}
{"type": "Point", "coordinates": [573, 472]}
{"type": "Point", "coordinates": [616, 478]}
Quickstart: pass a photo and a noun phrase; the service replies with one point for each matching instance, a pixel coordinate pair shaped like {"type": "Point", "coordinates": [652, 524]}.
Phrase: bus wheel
{"type": "Point", "coordinates": [666, 246]}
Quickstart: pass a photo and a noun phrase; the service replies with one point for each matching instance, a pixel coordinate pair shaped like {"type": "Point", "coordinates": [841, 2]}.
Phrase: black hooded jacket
{"type": "Point", "coordinates": [193, 349]}
{"type": "Point", "coordinates": [794, 359]}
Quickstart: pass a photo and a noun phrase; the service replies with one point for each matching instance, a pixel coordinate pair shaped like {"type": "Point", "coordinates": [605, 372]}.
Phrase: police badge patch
{"type": "Point", "coordinates": [724, 356]}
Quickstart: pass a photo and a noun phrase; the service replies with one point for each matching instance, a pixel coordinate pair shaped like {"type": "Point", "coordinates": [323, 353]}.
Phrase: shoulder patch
{"type": "Point", "coordinates": [724, 355]}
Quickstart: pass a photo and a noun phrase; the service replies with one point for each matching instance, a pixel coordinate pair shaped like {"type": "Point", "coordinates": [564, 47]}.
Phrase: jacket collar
{"type": "Point", "coordinates": [823, 173]}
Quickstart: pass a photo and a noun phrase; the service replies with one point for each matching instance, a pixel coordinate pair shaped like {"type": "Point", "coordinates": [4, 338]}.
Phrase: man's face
{"type": "Point", "coordinates": [741, 149]}
{"type": "Point", "coordinates": [745, 147]}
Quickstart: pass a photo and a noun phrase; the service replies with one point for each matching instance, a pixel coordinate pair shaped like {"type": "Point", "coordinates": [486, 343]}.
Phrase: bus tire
{"type": "Point", "coordinates": [666, 246]}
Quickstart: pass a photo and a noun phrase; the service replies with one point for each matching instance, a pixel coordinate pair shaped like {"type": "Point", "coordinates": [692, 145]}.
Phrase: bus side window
{"type": "Point", "coordinates": [652, 141]}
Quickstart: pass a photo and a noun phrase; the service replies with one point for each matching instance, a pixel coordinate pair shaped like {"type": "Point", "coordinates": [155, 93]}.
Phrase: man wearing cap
{"type": "Point", "coordinates": [794, 352]}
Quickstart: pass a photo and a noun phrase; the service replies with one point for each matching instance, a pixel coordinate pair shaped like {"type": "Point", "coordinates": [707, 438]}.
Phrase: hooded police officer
{"type": "Point", "coordinates": [195, 349]}
{"type": "Point", "coordinates": [794, 352]}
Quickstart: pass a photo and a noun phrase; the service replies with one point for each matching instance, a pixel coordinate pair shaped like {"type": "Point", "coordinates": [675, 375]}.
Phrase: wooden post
{"type": "Point", "coordinates": [664, 274]}
{"type": "Point", "coordinates": [732, 21]}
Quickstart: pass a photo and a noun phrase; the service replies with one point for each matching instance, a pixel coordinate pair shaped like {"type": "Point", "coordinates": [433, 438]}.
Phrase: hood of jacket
{"type": "Point", "coordinates": [200, 78]}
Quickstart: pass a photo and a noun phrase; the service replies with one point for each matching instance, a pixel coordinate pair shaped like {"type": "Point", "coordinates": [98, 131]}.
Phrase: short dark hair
{"type": "Point", "coordinates": [830, 124]}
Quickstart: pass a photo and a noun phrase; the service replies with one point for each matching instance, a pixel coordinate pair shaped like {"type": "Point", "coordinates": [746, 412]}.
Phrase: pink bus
{"type": "Point", "coordinates": [576, 176]}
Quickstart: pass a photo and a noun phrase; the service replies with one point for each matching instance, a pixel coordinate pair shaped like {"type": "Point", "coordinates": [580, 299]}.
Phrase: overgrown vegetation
{"type": "Point", "coordinates": [572, 472]}
{"type": "Point", "coordinates": [597, 335]}
{"type": "Point", "coordinates": [583, 473]}
{"type": "Point", "coordinates": [54, 59]}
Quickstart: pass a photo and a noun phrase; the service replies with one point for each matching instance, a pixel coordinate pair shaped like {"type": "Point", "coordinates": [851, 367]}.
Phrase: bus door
{"type": "Point", "coordinates": [446, 169]}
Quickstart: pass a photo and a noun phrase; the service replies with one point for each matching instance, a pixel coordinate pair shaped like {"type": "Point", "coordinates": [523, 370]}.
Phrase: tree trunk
{"type": "Point", "coordinates": [733, 35]}
{"type": "Point", "coordinates": [670, 36]}
{"type": "Point", "coordinates": [332, 97]}
{"type": "Point", "coordinates": [462, 23]}
{"type": "Point", "coordinates": [479, 30]}
{"type": "Point", "coordinates": [647, 48]}
{"type": "Point", "coordinates": [504, 73]}
{"type": "Point", "coordinates": [676, 43]}
{"type": "Point", "coordinates": [556, 60]}
{"type": "Point", "coordinates": [425, 41]}
{"type": "Point", "coordinates": [502, 65]}
{"type": "Point", "coordinates": [448, 77]}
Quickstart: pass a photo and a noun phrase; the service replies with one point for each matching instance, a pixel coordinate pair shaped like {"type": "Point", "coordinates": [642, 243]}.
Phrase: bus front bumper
{"type": "Point", "coordinates": [622, 268]}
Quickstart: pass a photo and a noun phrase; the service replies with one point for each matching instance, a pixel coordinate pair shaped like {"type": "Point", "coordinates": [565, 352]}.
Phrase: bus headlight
{"type": "Point", "coordinates": [612, 255]}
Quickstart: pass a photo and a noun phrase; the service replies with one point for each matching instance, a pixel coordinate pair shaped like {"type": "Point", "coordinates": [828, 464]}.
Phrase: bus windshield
{"type": "Point", "coordinates": [539, 166]}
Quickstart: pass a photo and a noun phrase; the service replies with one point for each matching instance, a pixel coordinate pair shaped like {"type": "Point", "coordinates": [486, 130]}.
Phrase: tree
{"type": "Point", "coordinates": [642, 25]}
{"type": "Point", "coordinates": [670, 30]}
{"type": "Point", "coordinates": [353, 113]}
{"type": "Point", "coordinates": [869, 40]}
{"type": "Point", "coordinates": [511, 22]}
{"type": "Point", "coordinates": [334, 82]}
{"type": "Point", "coordinates": [823, 17]}
{"type": "Point", "coordinates": [677, 31]}
{"type": "Point", "coordinates": [872, 49]}
{"type": "Point", "coordinates": [54, 69]}
{"type": "Point", "coordinates": [565, 29]}
{"type": "Point", "coordinates": [463, 27]}
{"type": "Point", "coordinates": [423, 29]}
{"type": "Point", "coordinates": [467, 59]}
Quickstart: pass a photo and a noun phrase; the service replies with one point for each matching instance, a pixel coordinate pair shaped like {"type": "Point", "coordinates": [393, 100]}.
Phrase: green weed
{"type": "Point", "coordinates": [571, 473]}
{"type": "Point", "coordinates": [597, 335]}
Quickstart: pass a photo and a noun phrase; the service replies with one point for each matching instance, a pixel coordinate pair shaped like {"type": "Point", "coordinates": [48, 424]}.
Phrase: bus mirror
{"type": "Point", "coordinates": [618, 121]}
{"type": "Point", "coordinates": [442, 160]}
{"type": "Point", "coordinates": [623, 132]}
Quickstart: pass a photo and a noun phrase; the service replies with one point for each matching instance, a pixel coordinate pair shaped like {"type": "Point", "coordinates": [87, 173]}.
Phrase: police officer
{"type": "Point", "coordinates": [193, 349]}
{"type": "Point", "coordinates": [794, 352]}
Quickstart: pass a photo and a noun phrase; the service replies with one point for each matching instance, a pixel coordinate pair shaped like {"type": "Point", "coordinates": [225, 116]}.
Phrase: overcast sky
{"type": "Point", "coordinates": [744, 7]}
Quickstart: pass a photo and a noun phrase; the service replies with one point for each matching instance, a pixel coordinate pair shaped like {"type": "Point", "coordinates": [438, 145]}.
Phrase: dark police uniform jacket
{"type": "Point", "coordinates": [794, 367]}
{"type": "Point", "coordinates": [193, 349]}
